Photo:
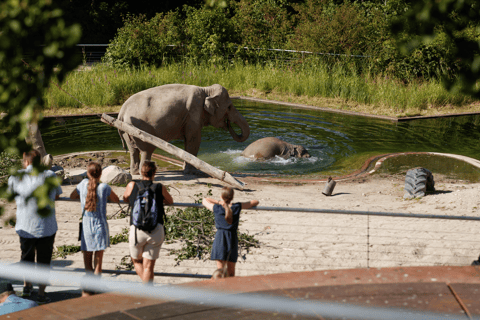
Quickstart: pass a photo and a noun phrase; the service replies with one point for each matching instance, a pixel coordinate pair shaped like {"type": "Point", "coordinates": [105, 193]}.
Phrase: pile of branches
{"type": "Point", "coordinates": [195, 228]}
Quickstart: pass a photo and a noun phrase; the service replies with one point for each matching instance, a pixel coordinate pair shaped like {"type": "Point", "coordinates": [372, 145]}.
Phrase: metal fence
{"type": "Point", "coordinates": [93, 53]}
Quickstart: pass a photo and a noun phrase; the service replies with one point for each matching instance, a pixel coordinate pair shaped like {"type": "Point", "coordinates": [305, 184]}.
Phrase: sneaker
{"type": "Point", "coordinates": [43, 299]}
{"type": "Point", "coordinates": [476, 263]}
{"type": "Point", "coordinates": [27, 291]}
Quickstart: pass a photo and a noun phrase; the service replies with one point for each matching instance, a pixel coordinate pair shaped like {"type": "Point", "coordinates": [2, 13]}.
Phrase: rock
{"type": "Point", "coordinates": [74, 176]}
{"type": "Point", "coordinates": [59, 171]}
{"type": "Point", "coordinates": [115, 175]}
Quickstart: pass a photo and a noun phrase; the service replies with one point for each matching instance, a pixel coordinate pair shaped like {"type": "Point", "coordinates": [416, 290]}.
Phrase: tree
{"type": "Point", "coordinates": [459, 22]}
{"type": "Point", "coordinates": [36, 44]}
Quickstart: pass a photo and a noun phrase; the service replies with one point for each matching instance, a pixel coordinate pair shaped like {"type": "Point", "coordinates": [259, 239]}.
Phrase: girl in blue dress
{"type": "Point", "coordinates": [227, 215]}
{"type": "Point", "coordinates": [95, 236]}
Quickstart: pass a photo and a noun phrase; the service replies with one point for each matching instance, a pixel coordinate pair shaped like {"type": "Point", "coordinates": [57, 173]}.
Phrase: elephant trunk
{"type": "Point", "coordinates": [240, 121]}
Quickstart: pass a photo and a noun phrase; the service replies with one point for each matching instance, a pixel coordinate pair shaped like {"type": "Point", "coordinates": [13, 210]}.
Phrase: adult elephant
{"type": "Point", "coordinates": [178, 111]}
{"type": "Point", "coordinates": [269, 147]}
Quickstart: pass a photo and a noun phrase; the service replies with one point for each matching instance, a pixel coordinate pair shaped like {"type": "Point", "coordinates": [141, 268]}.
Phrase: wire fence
{"type": "Point", "coordinates": [93, 53]}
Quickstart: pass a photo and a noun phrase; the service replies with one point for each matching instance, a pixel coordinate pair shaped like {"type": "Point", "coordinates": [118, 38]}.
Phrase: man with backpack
{"type": "Point", "coordinates": [147, 232]}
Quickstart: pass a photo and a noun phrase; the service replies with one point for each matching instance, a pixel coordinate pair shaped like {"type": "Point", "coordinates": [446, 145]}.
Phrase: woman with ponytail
{"type": "Point", "coordinates": [95, 236]}
{"type": "Point", "coordinates": [227, 215]}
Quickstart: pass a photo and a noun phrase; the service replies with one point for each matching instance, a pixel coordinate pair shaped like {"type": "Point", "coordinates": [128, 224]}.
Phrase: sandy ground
{"type": "Point", "coordinates": [302, 241]}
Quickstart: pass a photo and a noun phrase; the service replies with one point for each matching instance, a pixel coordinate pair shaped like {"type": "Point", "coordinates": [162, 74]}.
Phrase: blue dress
{"type": "Point", "coordinates": [225, 245]}
{"type": "Point", "coordinates": [95, 236]}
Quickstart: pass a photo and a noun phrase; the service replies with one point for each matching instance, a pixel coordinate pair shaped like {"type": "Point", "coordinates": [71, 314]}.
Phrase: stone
{"type": "Point", "coordinates": [115, 175]}
{"type": "Point", "coordinates": [59, 171]}
{"type": "Point", "coordinates": [75, 176]}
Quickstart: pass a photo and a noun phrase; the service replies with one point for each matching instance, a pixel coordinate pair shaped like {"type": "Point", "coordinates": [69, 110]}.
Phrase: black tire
{"type": "Point", "coordinates": [417, 182]}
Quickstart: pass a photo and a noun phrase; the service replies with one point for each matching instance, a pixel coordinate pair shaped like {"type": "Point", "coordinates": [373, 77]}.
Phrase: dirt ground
{"type": "Point", "coordinates": [300, 240]}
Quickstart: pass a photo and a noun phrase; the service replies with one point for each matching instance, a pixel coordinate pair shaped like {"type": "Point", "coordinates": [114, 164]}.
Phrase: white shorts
{"type": "Point", "coordinates": [148, 244]}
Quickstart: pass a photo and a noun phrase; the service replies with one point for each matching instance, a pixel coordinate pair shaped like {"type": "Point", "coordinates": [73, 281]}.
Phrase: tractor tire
{"type": "Point", "coordinates": [417, 182]}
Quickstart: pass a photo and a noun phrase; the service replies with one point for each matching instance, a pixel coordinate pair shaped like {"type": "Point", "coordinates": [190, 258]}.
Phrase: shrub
{"type": "Point", "coordinates": [210, 32]}
{"type": "Point", "coordinates": [145, 42]}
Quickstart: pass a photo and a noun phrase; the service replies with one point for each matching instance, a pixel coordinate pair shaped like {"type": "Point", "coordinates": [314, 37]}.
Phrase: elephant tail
{"type": "Point", "coordinates": [123, 140]}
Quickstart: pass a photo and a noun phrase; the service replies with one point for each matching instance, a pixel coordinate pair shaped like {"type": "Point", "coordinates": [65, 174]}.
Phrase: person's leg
{"type": "Point", "coordinates": [136, 245]}
{"type": "Point", "coordinates": [44, 248]}
{"type": "Point", "coordinates": [98, 261]}
{"type": "Point", "coordinates": [151, 252]}
{"type": "Point", "coordinates": [27, 247]}
{"type": "Point", "coordinates": [88, 261]}
{"type": "Point", "coordinates": [231, 269]}
{"type": "Point", "coordinates": [148, 266]}
{"type": "Point", "coordinates": [138, 265]}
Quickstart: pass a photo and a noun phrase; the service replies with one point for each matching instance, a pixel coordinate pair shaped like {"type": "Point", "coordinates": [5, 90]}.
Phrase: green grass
{"type": "Point", "coordinates": [105, 86]}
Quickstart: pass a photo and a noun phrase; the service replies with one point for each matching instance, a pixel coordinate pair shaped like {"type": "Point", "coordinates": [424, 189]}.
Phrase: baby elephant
{"type": "Point", "coordinates": [267, 148]}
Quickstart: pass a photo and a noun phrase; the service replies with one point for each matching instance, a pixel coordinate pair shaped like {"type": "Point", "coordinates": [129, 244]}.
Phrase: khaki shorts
{"type": "Point", "coordinates": [148, 244]}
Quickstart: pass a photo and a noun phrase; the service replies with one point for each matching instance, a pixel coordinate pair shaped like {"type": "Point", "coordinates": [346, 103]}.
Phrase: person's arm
{"type": "Point", "coordinates": [250, 204]}
{"type": "Point", "coordinates": [113, 197]}
{"type": "Point", "coordinates": [209, 203]}
{"type": "Point", "coordinates": [167, 198]}
{"type": "Point", "coordinates": [74, 195]}
{"type": "Point", "coordinates": [128, 191]}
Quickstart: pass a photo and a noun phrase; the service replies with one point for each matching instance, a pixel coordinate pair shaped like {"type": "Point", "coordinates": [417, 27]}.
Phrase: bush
{"type": "Point", "coordinates": [210, 32]}
{"type": "Point", "coordinates": [8, 164]}
{"type": "Point", "coordinates": [261, 24]}
{"type": "Point", "coordinates": [326, 28]}
{"type": "Point", "coordinates": [145, 42]}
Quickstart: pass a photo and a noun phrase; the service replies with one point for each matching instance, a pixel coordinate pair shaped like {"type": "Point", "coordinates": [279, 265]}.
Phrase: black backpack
{"type": "Point", "coordinates": [145, 211]}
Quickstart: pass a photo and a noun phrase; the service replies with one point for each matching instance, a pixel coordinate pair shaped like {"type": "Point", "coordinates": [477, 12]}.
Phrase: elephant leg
{"type": "Point", "coordinates": [146, 155]}
{"type": "Point", "coordinates": [192, 145]}
{"type": "Point", "coordinates": [134, 154]}
{"type": "Point", "coordinates": [134, 160]}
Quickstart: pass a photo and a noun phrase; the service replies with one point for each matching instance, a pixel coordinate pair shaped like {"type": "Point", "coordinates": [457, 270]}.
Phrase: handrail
{"type": "Point", "coordinates": [329, 211]}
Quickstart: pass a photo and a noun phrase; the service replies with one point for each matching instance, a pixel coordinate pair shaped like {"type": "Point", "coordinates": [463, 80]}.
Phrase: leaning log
{"type": "Point", "coordinates": [170, 148]}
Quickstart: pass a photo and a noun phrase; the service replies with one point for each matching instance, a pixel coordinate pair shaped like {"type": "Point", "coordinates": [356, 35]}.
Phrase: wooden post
{"type": "Point", "coordinates": [170, 148]}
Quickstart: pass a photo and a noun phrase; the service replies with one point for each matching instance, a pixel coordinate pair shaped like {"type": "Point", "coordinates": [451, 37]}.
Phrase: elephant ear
{"type": "Point", "coordinates": [211, 105]}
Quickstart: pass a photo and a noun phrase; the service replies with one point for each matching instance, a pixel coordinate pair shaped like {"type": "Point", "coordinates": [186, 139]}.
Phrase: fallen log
{"type": "Point", "coordinates": [170, 148]}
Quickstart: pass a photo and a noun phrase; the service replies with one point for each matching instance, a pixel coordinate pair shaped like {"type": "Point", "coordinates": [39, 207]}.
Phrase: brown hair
{"type": "Point", "coordinates": [227, 197]}
{"type": "Point", "coordinates": [149, 169]}
{"type": "Point", "coordinates": [31, 156]}
{"type": "Point", "coordinates": [94, 171]}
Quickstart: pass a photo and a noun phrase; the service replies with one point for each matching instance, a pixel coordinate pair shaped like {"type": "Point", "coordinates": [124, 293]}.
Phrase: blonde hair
{"type": "Point", "coordinates": [227, 197]}
{"type": "Point", "coordinates": [94, 172]}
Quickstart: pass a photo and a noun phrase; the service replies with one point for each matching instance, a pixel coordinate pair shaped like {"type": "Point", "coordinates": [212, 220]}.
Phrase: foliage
{"type": "Point", "coordinates": [125, 264]}
{"type": "Point", "coordinates": [456, 20]}
{"type": "Point", "coordinates": [336, 29]}
{"type": "Point", "coordinates": [36, 31]}
{"type": "Point", "coordinates": [145, 42]}
{"type": "Point", "coordinates": [63, 251]}
{"type": "Point", "coordinates": [209, 31]}
{"type": "Point", "coordinates": [196, 228]}
{"type": "Point", "coordinates": [121, 237]}
{"type": "Point", "coordinates": [9, 164]}
{"type": "Point", "coordinates": [261, 24]}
